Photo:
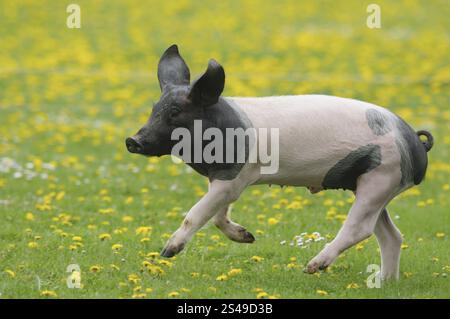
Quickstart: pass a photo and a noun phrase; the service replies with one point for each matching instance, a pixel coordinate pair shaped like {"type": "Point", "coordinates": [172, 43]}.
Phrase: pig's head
{"type": "Point", "coordinates": [179, 105]}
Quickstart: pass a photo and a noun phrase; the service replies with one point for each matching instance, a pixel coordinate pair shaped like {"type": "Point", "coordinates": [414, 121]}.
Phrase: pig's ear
{"type": "Point", "coordinates": [205, 91]}
{"type": "Point", "coordinates": [172, 69]}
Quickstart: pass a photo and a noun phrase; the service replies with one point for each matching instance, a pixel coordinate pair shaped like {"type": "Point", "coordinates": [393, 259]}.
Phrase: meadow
{"type": "Point", "coordinates": [70, 193]}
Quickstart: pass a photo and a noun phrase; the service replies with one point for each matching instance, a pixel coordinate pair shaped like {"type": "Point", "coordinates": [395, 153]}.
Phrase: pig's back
{"type": "Point", "coordinates": [314, 131]}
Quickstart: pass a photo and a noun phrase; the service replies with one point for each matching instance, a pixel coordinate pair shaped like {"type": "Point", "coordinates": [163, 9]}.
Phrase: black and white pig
{"type": "Point", "coordinates": [325, 142]}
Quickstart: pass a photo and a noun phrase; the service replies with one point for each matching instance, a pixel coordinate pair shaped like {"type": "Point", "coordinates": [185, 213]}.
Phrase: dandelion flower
{"type": "Point", "coordinates": [257, 259]}
{"type": "Point", "coordinates": [262, 295]}
{"type": "Point", "coordinates": [222, 277]}
{"type": "Point", "coordinates": [95, 268]}
{"type": "Point", "coordinates": [33, 244]}
{"type": "Point", "coordinates": [133, 278]}
{"type": "Point", "coordinates": [321, 292]}
{"type": "Point", "coordinates": [234, 272]}
{"type": "Point", "coordinates": [352, 286]}
{"type": "Point", "coordinates": [143, 230]}
{"type": "Point", "coordinates": [173, 294]}
{"type": "Point", "coordinates": [127, 219]}
{"type": "Point", "coordinates": [153, 254]}
{"type": "Point", "coordinates": [49, 293]}
{"type": "Point", "coordinates": [117, 247]}
{"type": "Point", "coordinates": [104, 236]}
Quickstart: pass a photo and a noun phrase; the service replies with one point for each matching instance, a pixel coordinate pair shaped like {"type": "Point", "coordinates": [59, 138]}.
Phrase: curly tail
{"type": "Point", "coordinates": [428, 144]}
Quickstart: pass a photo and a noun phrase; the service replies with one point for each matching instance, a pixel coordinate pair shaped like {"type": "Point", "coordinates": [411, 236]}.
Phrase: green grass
{"type": "Point", "coordinates": [70, 97]}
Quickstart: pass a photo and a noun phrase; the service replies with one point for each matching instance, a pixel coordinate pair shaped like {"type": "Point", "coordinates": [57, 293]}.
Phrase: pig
{"type": "Point", "coordinates": [325, 142]}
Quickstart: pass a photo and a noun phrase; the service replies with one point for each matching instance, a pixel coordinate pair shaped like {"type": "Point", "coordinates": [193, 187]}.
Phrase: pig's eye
{"type": "Point", "coordinates": [174, 112]}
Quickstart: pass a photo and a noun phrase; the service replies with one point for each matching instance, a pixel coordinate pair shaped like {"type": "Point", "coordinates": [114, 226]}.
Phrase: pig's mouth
{"type": "Point", "coordinates": [136, 147]}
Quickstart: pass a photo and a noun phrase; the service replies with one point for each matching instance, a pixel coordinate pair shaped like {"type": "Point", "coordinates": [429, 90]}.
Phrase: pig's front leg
{"type": "Point", "coordinates": [218, 197]}
{"type": "Point", "coordinates": [231, 229]}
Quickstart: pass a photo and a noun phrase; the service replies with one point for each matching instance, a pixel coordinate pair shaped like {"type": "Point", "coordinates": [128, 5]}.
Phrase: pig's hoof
{"type": "Point", "coordinates": [311, 268]}
{"type": "Point", "coordinates": [170, 251]}
{"type": "Point", "coordinates": [241, 235]}
{"type": "Point", "coordinates": [316, 265]}
{"type": "Point", "coordinates": [246, 237]}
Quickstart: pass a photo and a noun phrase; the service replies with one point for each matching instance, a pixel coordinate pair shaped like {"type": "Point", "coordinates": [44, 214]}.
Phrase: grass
{"type": "Point", "coordinates": [68, 99]}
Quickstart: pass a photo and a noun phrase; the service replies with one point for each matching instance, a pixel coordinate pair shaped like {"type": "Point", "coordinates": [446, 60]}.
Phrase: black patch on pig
{"type": "Point", "coordinates": [378, 122]}
{"type": "Point", "coordinates": [222, 115]}
{"type": "Point", "coordinates": [345, 173]}
{"type": "Point", "coordinates": [414, 160]}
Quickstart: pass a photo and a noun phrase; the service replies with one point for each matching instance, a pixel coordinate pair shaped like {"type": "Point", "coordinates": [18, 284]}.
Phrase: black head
{"type": "Point", "coordinates": [180, 103]}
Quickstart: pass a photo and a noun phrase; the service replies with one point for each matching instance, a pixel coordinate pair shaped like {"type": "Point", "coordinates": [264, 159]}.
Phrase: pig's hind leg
{"type": "Point", "coordinates": [390, 241]}
{"type": "Point", "coordinates": [231, 229]}
{"type": "Point", "coordinates": [374, 190]}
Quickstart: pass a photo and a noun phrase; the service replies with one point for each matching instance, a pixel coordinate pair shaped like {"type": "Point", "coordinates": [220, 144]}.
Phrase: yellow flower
{"type": "Point", "coordinates": [29, 216]}
{"type": "Point", "coordinates": [234, 272]}
{"type": "Point", "coordinates": [321, 292]}
{"type": "Point", "coordinates": [114, 267]}
{"type": "Point", "coordinates": [133, 278]}
{"type": "Point", "coordinates": [173, 294]}
{"type": "Point", "coordinates": [272, 221]}
{"type": "Point", "coordinates": [257, 259]}
{"type": "Point", "coordinates": [139, 296]}
{"type": "Point", "coordinates": [153, 254]}
{"type": "Point", "coordinates": [292, 265]}
{"type": "Point", "coordinates": [48, 293]}
{"type": "Point", "coordinates": [215, 237]}
{"type": "Point", "coordinates": [127, 219]}
{"type": "Point", "coordinates": [33, 244]}
{"type": "Point", "coordinates": [106, 211]}
{"type": "Point", "coordinates": [195, 274]}
{"type": "Point", "coordinates": [404, 246]}
{"type": "Point", "coordinates": [262, 295]}
{"type": "Point", "coordinates": [155, 270]}
{"type": "Point", "coordinates": [11, 273]}
{"type": "Point", "coordinates": [95, 268]}
{"type": "Point", "coordinates": [117, 247]}
{"type": "Point", "coordinates": [143, 230]}
{"type": "Point", "coordinates": [104, 236]}
{"type": "Point", "coordinates": [352, 286]}
{"type": "Point", "coordinates": [165, 263]}
{"type": "Point", "coordinates": [144, 240]}
{"type": "Point", "coordinates": [440, 235]}
{"type": "Point", "coordinates": [222, 277]}
{"type": "Point", "coordinates": [77, 238]}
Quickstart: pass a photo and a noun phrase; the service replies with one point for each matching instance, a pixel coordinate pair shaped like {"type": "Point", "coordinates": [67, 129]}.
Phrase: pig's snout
{"type": "Point", "coordinates": [133, 145]}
